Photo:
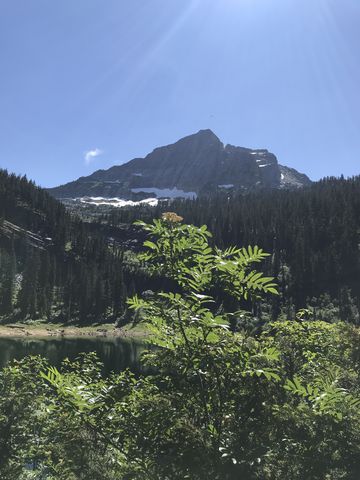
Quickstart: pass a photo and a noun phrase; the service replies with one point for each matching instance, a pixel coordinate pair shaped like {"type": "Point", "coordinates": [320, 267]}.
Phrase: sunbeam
{"type": "Point", "coordinates": [139, 58]}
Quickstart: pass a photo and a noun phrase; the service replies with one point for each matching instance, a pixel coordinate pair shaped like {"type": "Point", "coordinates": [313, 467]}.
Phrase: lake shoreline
{"type": "Point", "coordinates": [58, 330]}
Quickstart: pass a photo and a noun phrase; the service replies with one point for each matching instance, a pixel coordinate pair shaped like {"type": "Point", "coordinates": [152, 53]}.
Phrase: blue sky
{"type": "Point", "coordinates": [117, 78]}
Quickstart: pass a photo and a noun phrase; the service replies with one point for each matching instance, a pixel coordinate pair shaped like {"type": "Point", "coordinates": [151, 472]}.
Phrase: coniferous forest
{"type": "Point", "coordinates": [312, 233]}
{"type": "Point", "coordinates": [52, 266]}
{"type": "Point", "coordinates": [59, 267]}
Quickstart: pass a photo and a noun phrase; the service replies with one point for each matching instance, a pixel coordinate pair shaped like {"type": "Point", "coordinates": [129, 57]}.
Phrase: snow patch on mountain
{"type": "Point", "coordinates": [117, 202]}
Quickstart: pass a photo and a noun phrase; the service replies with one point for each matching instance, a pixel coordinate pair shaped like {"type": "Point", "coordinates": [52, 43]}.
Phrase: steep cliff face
{"type": "Point", "coordinates": [195, 164]}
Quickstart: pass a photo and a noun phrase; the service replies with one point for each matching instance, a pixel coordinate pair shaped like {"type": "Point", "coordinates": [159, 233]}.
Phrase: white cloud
{"type": "Point", "coordinates": [90, 155]}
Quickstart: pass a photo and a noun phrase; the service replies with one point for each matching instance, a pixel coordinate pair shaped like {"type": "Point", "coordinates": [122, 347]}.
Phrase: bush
{"type": "Point", "coordinates": [283, 404]}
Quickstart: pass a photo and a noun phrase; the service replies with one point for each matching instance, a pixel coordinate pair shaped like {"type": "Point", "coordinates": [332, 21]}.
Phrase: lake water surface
{"type": "Point", "coordinates": [116, 353]}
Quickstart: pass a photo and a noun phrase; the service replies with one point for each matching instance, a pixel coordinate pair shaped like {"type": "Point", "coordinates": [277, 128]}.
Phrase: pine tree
{"type": "Point", "coordinates": [28, 295]}
{"type": "Point", "coordinates": [8, 281]}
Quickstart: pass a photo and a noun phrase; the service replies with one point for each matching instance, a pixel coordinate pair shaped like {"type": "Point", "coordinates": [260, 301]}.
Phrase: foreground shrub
{"type": "Point", "coordinates": [284, 404]}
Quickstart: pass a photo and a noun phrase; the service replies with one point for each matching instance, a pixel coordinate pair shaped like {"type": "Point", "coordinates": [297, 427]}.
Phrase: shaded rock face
{"type": "Point", "coordinates": [199, 163]}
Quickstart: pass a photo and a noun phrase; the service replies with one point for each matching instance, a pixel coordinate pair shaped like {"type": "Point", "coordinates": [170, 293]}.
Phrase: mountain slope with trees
{"type": "Point", "coordinates": [56, 267]}
{"type": "Point", "coordinates": [52, 265]}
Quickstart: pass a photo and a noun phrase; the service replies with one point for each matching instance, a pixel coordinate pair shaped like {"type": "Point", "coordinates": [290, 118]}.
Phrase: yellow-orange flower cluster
{"type": "Point", "coordinates": [171, 217]}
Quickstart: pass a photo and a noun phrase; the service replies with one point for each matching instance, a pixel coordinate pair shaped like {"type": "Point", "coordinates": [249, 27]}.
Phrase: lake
{"type": "Point", "coordinates": [116, 353]}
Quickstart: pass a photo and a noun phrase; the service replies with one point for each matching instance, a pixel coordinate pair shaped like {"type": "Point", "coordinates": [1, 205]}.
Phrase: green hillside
{"type": "Point", "coordinates": [52, 267]}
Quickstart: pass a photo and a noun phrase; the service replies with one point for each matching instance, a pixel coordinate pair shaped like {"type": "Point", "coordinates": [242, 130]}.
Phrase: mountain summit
{"type": "Point", "coordinates": [196, 164]}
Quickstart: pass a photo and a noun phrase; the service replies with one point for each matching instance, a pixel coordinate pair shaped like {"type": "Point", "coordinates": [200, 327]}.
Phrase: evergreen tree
{"type": "Point", "coordinates": [8, 268]}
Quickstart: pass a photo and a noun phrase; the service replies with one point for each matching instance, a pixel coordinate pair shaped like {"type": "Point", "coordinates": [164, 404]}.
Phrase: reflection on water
{"type": "Point", "coordinates": [115, 353]}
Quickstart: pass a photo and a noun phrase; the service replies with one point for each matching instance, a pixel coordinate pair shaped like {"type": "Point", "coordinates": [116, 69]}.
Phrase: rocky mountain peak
{"type": "Point", "coordinates": [200, 139]}
{"type": "Point", "coordinates": [196, 164]}
{"type": "Point", "coordinates": [206, 135]}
